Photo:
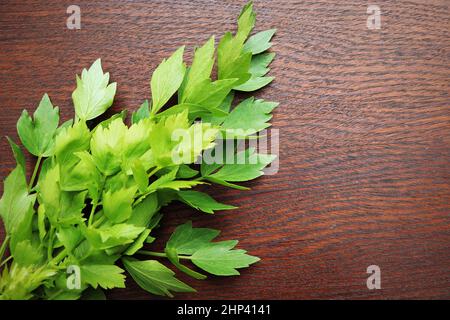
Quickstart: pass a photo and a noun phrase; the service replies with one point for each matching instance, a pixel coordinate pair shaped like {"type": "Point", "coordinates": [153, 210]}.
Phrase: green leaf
{"type": "Point", "coordinates": [232, 61]}
{"type": "Point", "coordinates": [142, 113]}
{"type": "Point", "coordinates": [93, 96]}
{"type": "Point", "coordinates": [72, 205]}
{"type": "Point", "coordinates": [117, 205]}
{"type": "Point", "coordinates": [254, 84]}
{"type": "Point", "coordinates": [227, 184]}
{"type": "Point", "coordinates": [214, 257]}
{"type": "Point", "coordinates": [246, 21]}
{"type": "Point", "coordinates": [186, 172]}
{"type": "Point", "coordinates": [249, 117]}
{"type": "Point", "coordinates": [199, 137]}
{"type": "Point", "coordinates": [225, 106]}
{"type": "Point", "coordinates": [144, 211]}
{"type": "Point", "coordinates": [61, 207]}
{"type": "Point", "coordinates": [260, 63]}
{"type": "Point", "coordinates": [259, 42]}
{"type": "Point", "coordinates": [108, 237]}
{"type": "Point", "coordinates": [105, 123]}
{"type": "Point", "coordinates": [247, 166]}
{"type": "Point", "coordinates": [199, 71]}
{"type": "Point", "coordinates": [50, 193]}
{"type": "Point", "coordinates": [154, 277]}
{"type": "Point", "coordinates": [27, 254]}
{"type": "Point", "coordinates": [177, 142]}
{"type": "Point", "coordinates": [70, 140]}
{"type": "Point", "coordinates": [70, 237]}
{"type": "Point", "coordinates": [166, 79]}
{"type": "Point", "coordinates": [238, 70]}
{"type": "Point", "coordinates": [105, 276]}
{"type": "Point", "coordinates": [179, 184]}
{"type": "Point", "coordinates": [172, 255]}
{"type": "Point", "coordinates": [65, 125]}
{"type": "Point", "coordinates": [202, 201]}
{"type": "Point", "coordinates": [219, 259]}
{"type": "Point", "coordinates": [107, 146]}
{"type": "Point", "coordinates": [82, 176]}
{"type": "Point", "coordinates": [164, 177]}
{"type": "Point", "coordinates": [16, 205]}
{"type": "Point", "coordinates": [140, 176]}
{"type": "Point", "coordinates": [18, 282]}
{"type": "Point", "coordinates": [258, 69]}
{"type": "Point", "coordinates": [138, 243]}
{"type": "Point", "coordinates": [76, 165]}
{"type": "Point", "coordinates": [136, 146]}
{"type": "Point", "coordinates": [211, 94]}
{"type": "Point", "coordinates": [188, 240]}
{"type": "Point", "coordinates": [38, 134]}
{"type": "Point", "coordinates": [18, 154]}
{"type": "Point", "coordinates": [194, 111]}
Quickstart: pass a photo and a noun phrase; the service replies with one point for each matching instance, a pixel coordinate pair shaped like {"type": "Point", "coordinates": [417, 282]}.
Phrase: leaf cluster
{"type": "Point", "coordinates": [94, 197]}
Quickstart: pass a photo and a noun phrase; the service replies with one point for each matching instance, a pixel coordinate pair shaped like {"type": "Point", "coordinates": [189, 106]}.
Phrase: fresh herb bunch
{"type": "Point", "coordinates": [95, 195]}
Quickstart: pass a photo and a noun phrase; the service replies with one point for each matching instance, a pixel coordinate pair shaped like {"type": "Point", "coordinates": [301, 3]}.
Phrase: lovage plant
{"type": "Point", "coordinates": [95, 194]}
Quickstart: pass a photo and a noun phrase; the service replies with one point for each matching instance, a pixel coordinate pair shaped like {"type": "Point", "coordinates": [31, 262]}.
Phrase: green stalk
{"type": "Point", "coordinates": [3, 247]}
{"type": "Point", "coordinates": [5, 261]}
{"type": "Point", "coordinates": [159, 254]}
{"type": "Point", "coordinates": [51, 237]}
{"type": "Point", "coordinates": [154, 171]}
{"type": "Point", "coordinates": [59, 257]}
{"type": "Point", "coordinates": [91, 215]}
{"type": "Point", "coordinates": [35, 171]}
{"type": "Point", "coordinates": [99, 221]}
{"type": "Point", "coordinates": [94, 206]}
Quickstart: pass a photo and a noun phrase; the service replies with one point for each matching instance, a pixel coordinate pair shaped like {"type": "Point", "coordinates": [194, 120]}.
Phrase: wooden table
{"type": "Point", "coordinates": [364, 126]}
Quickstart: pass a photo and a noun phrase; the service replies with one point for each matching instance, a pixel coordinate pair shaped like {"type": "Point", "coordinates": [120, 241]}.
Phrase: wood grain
{"type": "Point", "coordinates": [364, 126]}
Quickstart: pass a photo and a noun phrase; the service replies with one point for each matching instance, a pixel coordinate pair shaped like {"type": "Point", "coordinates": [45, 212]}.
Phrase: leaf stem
{"type": "Point", "coordinates": [55, 294]}
{"type": "Point", "coordinates": [5, 261]}
{"type": "Point", "coordinates": [154, 171]}
{"type": "Point", "coordinates": [99, 221]}
{"type": "Point", "coordinates": [33, 176]}
{"type": "Point", "coordinates": [3, 247]}
{"type": "Point", "coordinates": [59, 257]}
{"type": "Point", "coordinates": [160, 254]}
{"type": "Point", "coordinates": [51, 237]}
{"type": "Point", "coordinates": [91, 215]}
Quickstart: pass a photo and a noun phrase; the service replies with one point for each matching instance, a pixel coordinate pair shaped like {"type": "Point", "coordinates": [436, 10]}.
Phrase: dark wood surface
{"type": "Point", "coordinates": [364, 126]}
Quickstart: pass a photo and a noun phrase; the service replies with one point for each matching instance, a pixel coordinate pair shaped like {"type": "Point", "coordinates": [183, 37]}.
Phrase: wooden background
{"type": "Point", "coordinates": [364, 126]}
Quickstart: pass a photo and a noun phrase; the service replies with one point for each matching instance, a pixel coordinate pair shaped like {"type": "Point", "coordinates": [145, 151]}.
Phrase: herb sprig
{"type": "Point", "coordinates": [95, 194]}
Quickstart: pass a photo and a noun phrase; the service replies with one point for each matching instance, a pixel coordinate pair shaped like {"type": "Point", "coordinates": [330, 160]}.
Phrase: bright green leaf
{"type": "Point", "coordinates": [188, 240]}
{"type": "Point", "coordinates": [108, 237]}
{"type": "Point", "coordinates": [18, 154]}
{"type": "Point", "coordinates": [117, 205]}
{"type": "Point", "coordinates": [105, 276]}
{"type": "Point", "coordinates": [259, 42]}
{"type": "Point", "coordinates": [93, 96]}
{"type": "Point", "coordinates": [16, 205]}
{"type": "Point", "coordinates": [142, 113]}
{"type": "Point", "coordinates": [154, 277]}
{"type": "Point", "coordinates": [219, 259]}
{"type": "Point", "coordinates": [199, 71]}
{"type": "Point", "coordinates": [38, 134]}
{"type": "Point", "coordinates": [166, 79]}
{"type": "Point", "coordinates": [249, 117]}
{"type": "Point", "coordinates": [202, 201]}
